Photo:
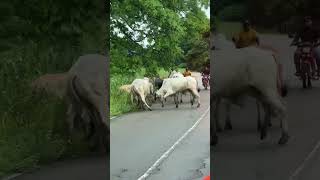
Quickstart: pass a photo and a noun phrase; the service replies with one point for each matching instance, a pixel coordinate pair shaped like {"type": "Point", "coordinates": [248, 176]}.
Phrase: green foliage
{"type": "Point", "coordinates": [234, 12]}
{"type": "Point", "coordinates": [154, 34]}
{"type": "Point", "coordinates": [198, 56]}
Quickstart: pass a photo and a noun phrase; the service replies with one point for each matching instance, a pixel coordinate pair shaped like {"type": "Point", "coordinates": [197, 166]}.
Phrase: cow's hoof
{"type": "Point", "coordinates": [214, 140]}
{"type": "Point", "coordinates": [284, 139]}
{"type": "Point", "coordinates": [198, 106]}
{"type": "Point", "coordinates": [228, 126]}
{"type": "Point", "coordinates": [176, 105]}
{"type": "Point", "coordinates": [150, 109]}
{"type": "Point", "coordinates": [162, 105]}
{"type": "Point", "coordinates": [181, 101]}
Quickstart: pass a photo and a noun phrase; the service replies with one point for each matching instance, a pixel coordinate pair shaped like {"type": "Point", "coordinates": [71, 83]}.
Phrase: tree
{"type": "Point", "coordinates": [153, 33]}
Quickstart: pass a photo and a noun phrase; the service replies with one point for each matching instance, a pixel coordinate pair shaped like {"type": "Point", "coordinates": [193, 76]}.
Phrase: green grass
{"type": "Point", "coordinates": [33, 130]}
{"type": "Point", "coordinates": [120, 102]}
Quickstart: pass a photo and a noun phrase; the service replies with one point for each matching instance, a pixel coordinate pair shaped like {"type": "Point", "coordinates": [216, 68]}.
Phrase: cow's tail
{"type": "Point", "coordinates": [281, 86]}
{"type": "Point", "coordinates": [135, 94]}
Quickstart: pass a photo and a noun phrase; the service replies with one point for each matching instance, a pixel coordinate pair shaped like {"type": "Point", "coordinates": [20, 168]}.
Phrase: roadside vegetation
{"type": "Point", "coordinates": [39, 38]}
{"type": "Point", "coordinates": [275, 16]}
{"type": "Point", "coordinates": [149, 38]}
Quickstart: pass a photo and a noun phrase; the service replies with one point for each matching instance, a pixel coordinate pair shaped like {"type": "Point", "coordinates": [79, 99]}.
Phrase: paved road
{"type": "Point", "coordinates": [138, 140]}
{"type": "Point", "coordinates": [241, 155]}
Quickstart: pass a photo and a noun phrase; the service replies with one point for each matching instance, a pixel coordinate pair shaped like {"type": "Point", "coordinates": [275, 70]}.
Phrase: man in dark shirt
{"type": "Point", "coordinates": [307, 34]}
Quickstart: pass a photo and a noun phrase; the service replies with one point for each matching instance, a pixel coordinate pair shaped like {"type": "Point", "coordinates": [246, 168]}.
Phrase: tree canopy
{"type": "Point", "coordinates": [154, 33]}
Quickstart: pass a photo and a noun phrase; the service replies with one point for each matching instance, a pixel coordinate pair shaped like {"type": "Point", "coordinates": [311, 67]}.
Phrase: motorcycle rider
{"type": "Point", "coordinates": [247, 37]}
{"type": "Point", "coordinates": [205, 74]}
{"type": "Point", "coordinates": [306, 34]}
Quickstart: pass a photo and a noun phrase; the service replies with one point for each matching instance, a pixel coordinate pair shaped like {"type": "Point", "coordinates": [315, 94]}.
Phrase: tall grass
{"type": "Point", "coordinates": [32, 127]}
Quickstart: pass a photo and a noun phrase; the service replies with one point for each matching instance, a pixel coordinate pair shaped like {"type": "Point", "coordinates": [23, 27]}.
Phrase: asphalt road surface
{"type": "Point", "coordinates": [139, 139]}
{"type": "Point", "coordinates": [241, 155]}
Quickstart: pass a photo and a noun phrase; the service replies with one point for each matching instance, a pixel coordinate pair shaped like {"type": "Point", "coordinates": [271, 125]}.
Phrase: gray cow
{"type": "Point", "coordinates": [84, 87]}
{"type": "Point", "coordinates": [87, 90]}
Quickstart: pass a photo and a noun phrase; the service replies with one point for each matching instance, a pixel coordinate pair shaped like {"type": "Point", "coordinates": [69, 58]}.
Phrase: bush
{"type": "Point", "coordinates": [234, 12]}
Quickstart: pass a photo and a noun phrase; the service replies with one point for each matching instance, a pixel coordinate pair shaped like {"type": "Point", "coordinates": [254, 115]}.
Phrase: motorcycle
{"type": "Point", "coordinates": [205, 81]}
{"type": "Point", "coordinates": [306, 61]}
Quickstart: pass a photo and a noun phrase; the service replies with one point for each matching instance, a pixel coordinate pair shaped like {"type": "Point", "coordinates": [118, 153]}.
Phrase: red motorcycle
{"type": "Point", "coordinates": [306, 62]}
{"type": "Point", "coordinates": [205, 81]}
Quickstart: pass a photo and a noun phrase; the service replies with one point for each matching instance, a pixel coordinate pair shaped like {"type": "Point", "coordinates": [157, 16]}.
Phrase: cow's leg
{"type": "Point", "coordinates": [196, 94]}
{"type": "Point", "coordinates": [162, 103]}
{"type": "Point", "coordinates": [180, 97]}
{"type": "Point", "coordinates": [228, 125]}
{"type": "Point", "coordinates": [266, 121]}
{"type": "Point", "coordinates": [143, 99]}
{"type": "Point", "coordinates": [273, 101]}
{"type": "Point", "coordinates": [258, 115]}
{"type": "Point", "coordinates": [176, 100]}
{"type": "Point", "coordinates": [213, 125]}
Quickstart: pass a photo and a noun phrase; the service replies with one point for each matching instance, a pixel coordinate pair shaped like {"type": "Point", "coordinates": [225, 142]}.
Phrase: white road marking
{"type": "Point", "coordinates": [305, 161]}
{"type": "Point", "coordinates": [169, 151]}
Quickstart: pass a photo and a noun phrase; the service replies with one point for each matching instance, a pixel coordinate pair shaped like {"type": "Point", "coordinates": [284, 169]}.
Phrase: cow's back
{"type": "Point", "coordinates": [175, 84]}
{"type": "Point", "coordinates": [91, 71]}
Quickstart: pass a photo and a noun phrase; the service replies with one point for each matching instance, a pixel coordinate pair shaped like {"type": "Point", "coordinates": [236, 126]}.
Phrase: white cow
{"type": "Point", "coordinates": [173, 86]}
{"type": "Point", "coordinates": [175, 74]}
{"type": "Point", "coordinates": [141, 88]}
{"type": "Point", "coordinates": [248, 71]}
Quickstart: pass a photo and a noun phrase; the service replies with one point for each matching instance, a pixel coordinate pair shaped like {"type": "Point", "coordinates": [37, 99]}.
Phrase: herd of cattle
{"type": "Point", "coordinates": [238, 73]}
{"type": "Point", "coordinates": [145, 91]}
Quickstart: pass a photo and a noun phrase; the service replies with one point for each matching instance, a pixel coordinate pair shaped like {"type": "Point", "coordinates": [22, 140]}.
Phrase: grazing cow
{"type": "Point", "coordinates": [141, 88]}
{"type": "Point", "coordinates": [53, 84]}
{"type": "Point", "coordinates": [248, 71]}
{"type": "Point", "coordinates": [87, 92]}
{"type": "Point", "coordinates": [173, 86]}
